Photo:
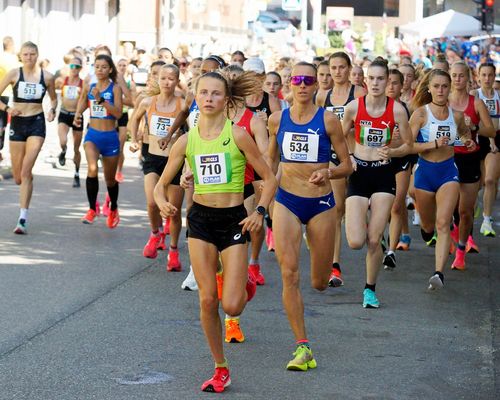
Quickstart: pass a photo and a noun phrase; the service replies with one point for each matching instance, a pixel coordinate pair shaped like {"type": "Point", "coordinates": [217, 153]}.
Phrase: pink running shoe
{"type": "Point", "coordinates": [251, 287]}
{"type": "Point", "coordinates": [166, 228]}
{"type": "Point", "coordinates": [459, 262]}
{"type": "Point", "coordinates": [151, 248]}
{"type": "Point", "coordinates": [254, 270]}
{"type": "Point", "coordinates": [218, 382]}
{"type": "Point", "coordinates": [173, 263]}
{"type": "Point", "coordinates": [97, 208]}
{"type": "Point", "coordinates": [454, 233]}
{"type": "Point", "coordinates": [105, 207]}
{"type": "Point", "coordinates": [471, 246]}
{"type": "Point", "coordinates": [161, 244]}
{"type": "Point", "coordinates": [269, 239]}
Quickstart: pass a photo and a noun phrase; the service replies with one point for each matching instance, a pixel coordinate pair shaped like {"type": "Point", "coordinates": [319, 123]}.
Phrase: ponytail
{"type": "Point", "coordinates": [422, 94]}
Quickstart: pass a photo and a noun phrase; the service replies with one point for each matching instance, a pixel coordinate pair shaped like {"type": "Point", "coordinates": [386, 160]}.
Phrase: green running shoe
{"type": "Point", "coordinates": [21, 227]}
{"type": "Point", "coordinates": [303, 359]}
{"type": "Point", "coordinates": [370, 299]}
{"type": "Point", "coordinates": [432, 242]}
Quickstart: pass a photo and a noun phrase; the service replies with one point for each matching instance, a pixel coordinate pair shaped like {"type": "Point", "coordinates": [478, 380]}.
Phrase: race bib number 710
{"type": "Point", "coordinates": [212, 169]}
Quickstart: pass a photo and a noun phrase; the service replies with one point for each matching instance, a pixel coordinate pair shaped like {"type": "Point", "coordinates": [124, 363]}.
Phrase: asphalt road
{"type": "Point", "coordinates": [85, 316]}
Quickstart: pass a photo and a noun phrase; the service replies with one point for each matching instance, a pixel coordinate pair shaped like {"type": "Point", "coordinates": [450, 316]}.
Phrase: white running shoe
{"type": "Point", "coordinates": [416, 218]}
{"type": "Point", "coordinates": [435, 282]}
{"type": "Point", "coordinates": [487, 229]}
{"type": "Point", "coordinates": [189, 283]}
{"type": "Point", "coordinates": [410, 205]}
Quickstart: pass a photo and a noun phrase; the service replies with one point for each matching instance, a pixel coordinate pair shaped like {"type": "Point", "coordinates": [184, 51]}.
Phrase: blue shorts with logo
{"type": "Point", "coordinates": [305, 208]}
{"type": "Point", "coordinates": [430, 176]}
{"type": "Point", "coordinates": [107, 142]}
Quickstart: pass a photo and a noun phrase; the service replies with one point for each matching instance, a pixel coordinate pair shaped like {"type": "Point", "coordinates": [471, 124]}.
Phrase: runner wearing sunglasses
{"type": "Point", "coordinates": [372, 183]}
{"type": "Point", "coordinates": [71, 87]}
{"type": "Point", "coordinates": [301, 138]}
{"type": "Point", "coordinates": [335, 100]}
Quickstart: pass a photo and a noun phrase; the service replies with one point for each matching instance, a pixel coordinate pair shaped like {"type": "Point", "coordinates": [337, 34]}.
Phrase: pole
{"type": "Point", "coordinates": [303, 17]}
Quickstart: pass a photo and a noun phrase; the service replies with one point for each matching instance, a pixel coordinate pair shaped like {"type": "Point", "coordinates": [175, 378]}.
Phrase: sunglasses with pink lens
{"type": "Point", "coordinates": [298, 79]}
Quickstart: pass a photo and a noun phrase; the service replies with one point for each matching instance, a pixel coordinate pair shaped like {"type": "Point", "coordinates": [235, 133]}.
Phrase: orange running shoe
{"type": "Point", "coordinates": [113, 219]}
{"type": "Point", "coordinates": [219, 277]}
{"type": "Point", "coordinates": [335, 278]}
{"type": "Point", "coordinates": [459, 262]}
{"type": "Point", "coordinates": [119, 177]}
{"type": "Point", "coordinates": [471, 246]}
{"type": "Point", "coordinates": [173, 262]}
{"type": "Point", "coordinates": [89, 217]}
{"type": "Point", "coordinates": [254, 270]}
{"type": "Point", "coordinates": [151, 248]}
{"type": "Point", "coordinates": [218, 382]}
{"type": "Point", "coordinates": [233, 331]}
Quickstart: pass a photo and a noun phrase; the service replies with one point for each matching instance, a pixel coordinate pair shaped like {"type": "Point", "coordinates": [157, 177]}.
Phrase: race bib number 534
{"type": "Point", "coordinates": [300, 147]}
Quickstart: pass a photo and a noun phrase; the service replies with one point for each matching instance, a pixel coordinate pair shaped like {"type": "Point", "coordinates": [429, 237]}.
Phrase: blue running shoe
{"type": "Point", "coordinates": [404, 243]}
{"type": "Point", "coordinates": [370, 299]}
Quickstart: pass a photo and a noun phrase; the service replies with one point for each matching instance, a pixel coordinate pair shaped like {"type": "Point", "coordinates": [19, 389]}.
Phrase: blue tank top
{"type": "Point", "coordinates": [307, 143]}
{"type": "Point", "coordinates": [97, 111]}
{"type": "Point", "coordinates": [435, 128]}
{"type": "Point", "coordinates": [194, 115]}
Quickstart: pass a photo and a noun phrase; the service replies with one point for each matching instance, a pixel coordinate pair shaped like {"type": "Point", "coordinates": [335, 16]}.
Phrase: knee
{"type": "Point", "coordinates": [355, 243]}
{"type": "Point", "coordinates": [26, 175]}
{"type": "Point", "coordinates": [18, 180]}
{"type": "Point", "coordinates": [489, 182]}
{"type": "Point", "coordinates": [290, 276]}
{"type": "Point", "coordinates": [319, 284]}
{"type": "Point", "coordinates": [466, 214]}
{"type": "Point", "coordinates": [92, 171]}
{"type": "Point", "coordinates": [443, 225]}
{"type": "Point", "coordinates": [373, 242]}
{"type": "Point", "coordinates": [397, 208]}
{"type": "Point", "coordinates": [232, 307]}
{"type": "Point", "coordinates": [340, 210]}
{"type": "Point", "coordinates": [209, 303]}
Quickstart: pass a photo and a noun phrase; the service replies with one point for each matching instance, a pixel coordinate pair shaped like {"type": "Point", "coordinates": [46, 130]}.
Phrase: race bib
{"type": "Point", "coordinates": [338, 111]}
{"type": "Point", "coordinates": [29, 91]}
{"type": "Point", "coordinates": [491, 105]}
{"type": "Point", "coordinates": [374, 137]}
{"type": "Point", "coordinates": [97, 110]}
{"type": "Point", "coordinates": [160, 125]}
{"type": "Point", "coordinates": [300, 147]}
{"type": "Point", "coordinates": [437, 131]}
{"type": "Point", "coordinates": [71, 92]}
{"type": "Point", "coordinates": [193, 118]}
{"type": "Point", "coordinates": [211, 169]}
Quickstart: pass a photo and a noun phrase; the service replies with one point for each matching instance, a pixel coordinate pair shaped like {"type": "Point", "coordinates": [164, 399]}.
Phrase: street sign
{"type": "Point", "coordinates": [291, 5]}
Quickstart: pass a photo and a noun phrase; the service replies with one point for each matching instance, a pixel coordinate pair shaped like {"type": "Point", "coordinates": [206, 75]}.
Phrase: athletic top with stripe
{"type": "Point", "coordinates": [374, 131]}
{"type": "Point", "coordinates": [71, 92]}
{"type": "Point", "coordinates": [245, 123]}
{"type": "Point", "coordinates": [435, 128]}
{"type": "Point", "coordinates": [304, 143]}
{"type": "Point", "coordinates": [97, 111]}
{"type": "Point", "coordinates": [470, 111]}
{"type": "Point", "coordinates": [218, 165]}
{"type": "Point", "coordinates": [493, 105]}
{"type": "Point", "coordinates": [29, 92]}
{"type": "Point", "coordinates": [338, 110]}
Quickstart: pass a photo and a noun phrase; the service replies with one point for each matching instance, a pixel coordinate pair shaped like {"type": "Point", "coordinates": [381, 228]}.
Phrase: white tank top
{"type": "Point", "coordinates": [493, 105]}
{"type": "Point", "coordinates": [436, 128]}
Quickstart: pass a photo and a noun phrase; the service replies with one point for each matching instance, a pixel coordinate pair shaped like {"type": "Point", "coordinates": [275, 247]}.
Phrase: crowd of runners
{"type": "Point", "coordinates": [255, 153]}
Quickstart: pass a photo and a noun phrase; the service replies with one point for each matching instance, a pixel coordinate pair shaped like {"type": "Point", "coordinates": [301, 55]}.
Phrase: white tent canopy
{"type": "Point", "coordinates": [448, 23]}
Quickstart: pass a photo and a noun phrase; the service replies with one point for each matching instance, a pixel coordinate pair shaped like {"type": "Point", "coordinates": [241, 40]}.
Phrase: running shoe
{"type": "Point", "coordinates": [383, 243]}
{"type": "Point", "coordinates": [90, 217]}
{"type": "Point", "coordinates": [151, 247]}
{"type": "Point", "coordinates": [435, 282]}
{"type": "Point", "coordinates": [303, 359]}
{"type": "Point", "coordinates": [410, 204]}
{"type": "Point", "coordinates": [119, 177]}
{"type": "Point", "coordinates": [454, 233]}
{"type": "Point", "coordinates": [487, 229]}
{"type": "Point", "coordinates": [234, 334]}
{"type": "Point", "coordinates": [218, 382]}
{"type": "Point", "coordinates": [477, 211]}
{"type": "Point", "coordinates": [269, 239]}
{"type": "Point", "coordinates": [416, 218]}
{"type": "Point", "coordinates": [390, 261]}
{"type": "Point", "coordinates": [251, 287]}
{"type": "Point", "coordinates": [190, 282]}
{"type": "Point", "coordinates": [432, 242]}
{"type": "Point", "coordinates": [370, 299]}
{"type": "Point", "coordinates": [459, 262]}
{"type": "Point", "coordinates": [97, 208]}
{"type": "Point", "coordinates": [452, 247]}
{"type": "Point", "coordinates": [161, 244]}
{"type": "Point", "coordinates": [173, 262]}
{"type": "Point", "coordinates": [76, 181]}
{"type": "Point", "coordinates": [404, 243]}
{"type": "Point", "coordinates": [21, 228]}
{"type": "Point", "coordinates": [62, 158]}
{"type": "Point", "coordinates": [166, 228]}
{"type": "Point", "coordinates": [113, 219]}
{"type": "Point", "coordinates": [219, 277]}
{"type": "Point", "coordinates": [105, 208]}
{"type": "Point", "coordinates": [471, 246]}
{"type": "Point", "coordinates": [335, 278]}
{"type": "Point", "coordinates": [254, 270]}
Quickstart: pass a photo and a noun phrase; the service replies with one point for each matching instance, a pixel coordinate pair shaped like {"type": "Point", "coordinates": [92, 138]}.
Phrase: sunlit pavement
{"type": "Point", "coordinates": [85, 316]}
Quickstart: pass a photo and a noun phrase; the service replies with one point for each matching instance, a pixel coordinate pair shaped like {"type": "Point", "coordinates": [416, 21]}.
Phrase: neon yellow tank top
{"type": "Point", "coordinates": [218, 165]}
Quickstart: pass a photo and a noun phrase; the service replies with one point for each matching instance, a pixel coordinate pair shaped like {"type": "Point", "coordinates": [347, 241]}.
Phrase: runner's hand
{"type": "Point", "coordinates": [134, 146]}
{"type": "Point", "coordinates": [77, 120]}
{"type": "Point", "coordinates": [14, 112]}
{"type": "Point", "coordinates": [262, 115]}
{"type": "Point", "coordinates": [442, 141]}
{"type": "Point", "coordinates": [384, 153]}
{"type": "Point", "coordinates": [167, 209]}
{"type": "Point", "coordinates": [187, 180]}
{"type": "Point", "coordinates": [494, 148]}
{"type": "Point", "coordinates": [354, 163]}
{"type": "Point", "coordinates": [319, 177]}
{"type": "Point", "coordinates": [252, 223]}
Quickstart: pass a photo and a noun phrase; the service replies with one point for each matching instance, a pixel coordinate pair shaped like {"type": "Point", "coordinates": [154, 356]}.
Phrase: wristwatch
{"type": "Point", "coordinates": [261, 210]}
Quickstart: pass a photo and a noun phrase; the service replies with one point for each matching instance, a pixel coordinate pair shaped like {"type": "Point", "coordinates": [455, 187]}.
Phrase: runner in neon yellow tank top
{"type": "Point", "coordinates": [218, 222]}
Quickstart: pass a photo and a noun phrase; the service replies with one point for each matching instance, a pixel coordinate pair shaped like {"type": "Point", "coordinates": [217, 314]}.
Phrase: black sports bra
{"type": "Point", "coordinates": [29, 92]}
{"type": "Point", "coordinates": [350, 98]}
{"type": "Point", "coordinates": [263, 106]}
